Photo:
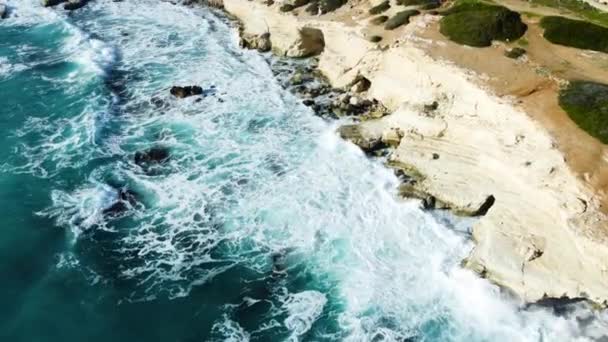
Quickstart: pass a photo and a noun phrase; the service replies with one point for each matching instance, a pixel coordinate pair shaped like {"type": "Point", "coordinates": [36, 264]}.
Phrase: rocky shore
{"type": "Point", "coordinates": [542, 230]}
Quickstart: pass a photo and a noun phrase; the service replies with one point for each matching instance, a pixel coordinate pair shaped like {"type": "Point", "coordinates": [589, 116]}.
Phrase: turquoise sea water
{"type": "Point", "coordinates": [262, 226]}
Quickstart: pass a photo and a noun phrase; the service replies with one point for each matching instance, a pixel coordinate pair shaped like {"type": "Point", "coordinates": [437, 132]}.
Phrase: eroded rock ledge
{"type": "Point", "coordinates": [541, 235]}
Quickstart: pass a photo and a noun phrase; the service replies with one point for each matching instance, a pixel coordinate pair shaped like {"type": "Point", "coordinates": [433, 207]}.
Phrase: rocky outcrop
{"type": "Point", "coordinates": [287, 38]}
{"type": "Point", "coordinates": [260, 42]}
{"type": "Point", "coordinates": [310, 42]}
{"type": "Point", "coordinates": [354, 134]}
{"type": "Point", "coordinates": [183, 92]}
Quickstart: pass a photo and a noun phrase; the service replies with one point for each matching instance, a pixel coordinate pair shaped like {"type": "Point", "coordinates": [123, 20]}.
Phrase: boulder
{"type": "Point", "coordinates": [182, 92]}
{"type": "Point", "coordinates": [74, 4]}
{"type": "Point", "coordinates": [260, 42]}
{"type": "Point", "coordinates": [49, 3]}
{"type": "Point", "coordinates": [309, 43]}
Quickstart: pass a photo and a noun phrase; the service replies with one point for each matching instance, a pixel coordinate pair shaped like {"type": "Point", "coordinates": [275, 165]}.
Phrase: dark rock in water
{"type": "Point", "coordinates": [559, 306]}
{"type": "Point", "coordinates": [158, 102]}
{"type": "Point", "coordinates": [3, 11]}
{"type": "Point", "coordinates": [74, 4]}
{"type": "Point", "coordinates": [155, 155]}
{"type": "Point", "coordinates": [183, 92]}
{"type": "Point", "coordinates": [126, 199]}
{"type": "Point", "coordinates": [49, 3]}
{"type": "Point", "coordinates": [308, 102]}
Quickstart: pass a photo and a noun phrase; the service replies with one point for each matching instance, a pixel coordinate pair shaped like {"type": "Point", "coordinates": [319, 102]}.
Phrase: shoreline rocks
{"type": "Point", "coordinates": [259, 42]}
{"type": "Point", "coordinates": [462, 148]}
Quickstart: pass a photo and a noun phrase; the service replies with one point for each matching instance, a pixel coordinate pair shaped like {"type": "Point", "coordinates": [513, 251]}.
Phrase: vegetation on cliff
{"type": "Point", "coordinates": [399, 19]}
{"type": "Point", "coordinates": [418, 2]}
{"type": "Point", "coordinates": [379, 20]}
{"type": "Point", "coordinates": [478, 24]}
{"type": "Point", "coordinates": [575, 33]}
{"type": "Point", "coordinates": [578, 7]}
{"type": "Point", "coordinates": [383, 6]}
{"type": "Point", "coordinates": [587, 105]}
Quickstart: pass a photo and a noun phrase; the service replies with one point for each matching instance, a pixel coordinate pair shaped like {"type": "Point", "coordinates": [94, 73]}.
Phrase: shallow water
{"type": "Point", "coordinates": [262, 226]}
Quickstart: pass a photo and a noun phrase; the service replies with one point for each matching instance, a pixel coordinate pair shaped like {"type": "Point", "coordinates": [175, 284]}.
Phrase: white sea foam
{"type": "Point", "coordinates": [303, 308]}
{"type": "Point", "coordinates": [230, 331]}
{"type": "Point", "coordinates": [7, 68]}
{"type": "Point", "coordinates": [81, 209]}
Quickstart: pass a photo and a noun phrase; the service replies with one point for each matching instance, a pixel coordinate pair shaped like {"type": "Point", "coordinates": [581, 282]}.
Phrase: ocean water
{"type": "Point", "coordinates": [262, 226]}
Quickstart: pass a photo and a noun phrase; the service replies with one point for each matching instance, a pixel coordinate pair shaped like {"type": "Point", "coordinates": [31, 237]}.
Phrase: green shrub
{"type": "Point", "coordinates": [286, 8]}
{"type": "Point", "coordinates": [579, 7]}
{"type": "Point", "coordinates": [575, 33]}
{"type": "Point", "coordinates": [379, 20]}
{"type": "Point", "coordinates": [380, 8]}
{"type": "Point", "coordinates": [401, 18]}
{"type": "Point", "coordinates": [515, 53]}
{"type": "Point", "coordinates": [587, 105]}
{"type": "Point", "coordinates": [478, 24]}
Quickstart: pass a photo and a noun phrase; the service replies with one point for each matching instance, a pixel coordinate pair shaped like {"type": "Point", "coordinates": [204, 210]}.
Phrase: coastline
{"type": "Point", "coordinates": [545, 235]}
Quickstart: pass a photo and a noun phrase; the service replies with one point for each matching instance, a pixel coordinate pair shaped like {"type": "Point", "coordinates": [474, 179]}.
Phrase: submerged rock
{"type": "Point", "coordinates": [126, 199]}
{"type": "Point", "coordinates": [155, 155]}
{"type": "Point", "coordinates": [182, 92]}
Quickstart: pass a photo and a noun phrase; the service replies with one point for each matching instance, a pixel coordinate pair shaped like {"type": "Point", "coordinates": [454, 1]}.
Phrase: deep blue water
{"type": "Point", "coordinates": [262, 225]}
